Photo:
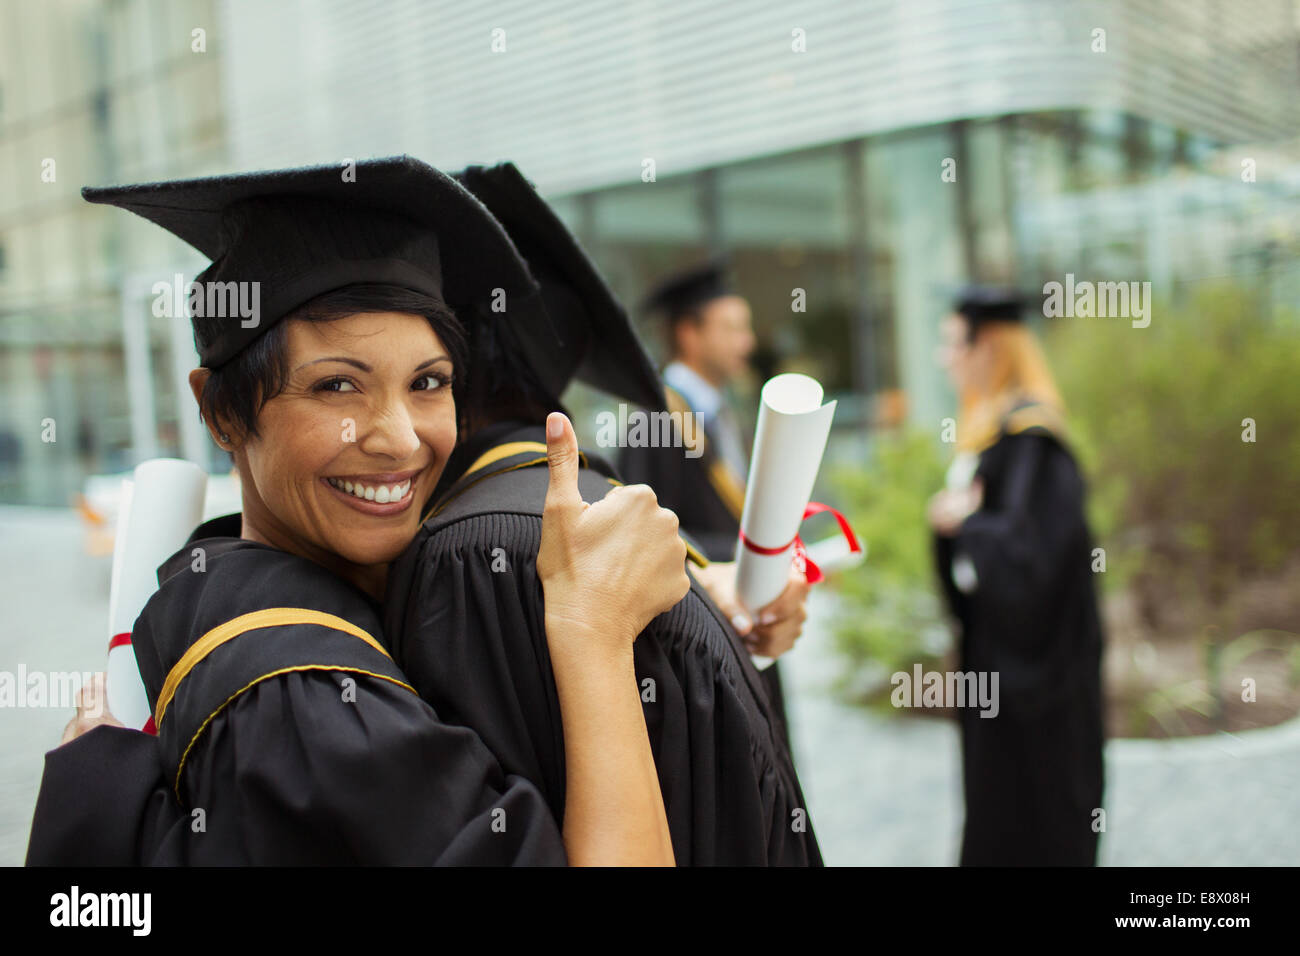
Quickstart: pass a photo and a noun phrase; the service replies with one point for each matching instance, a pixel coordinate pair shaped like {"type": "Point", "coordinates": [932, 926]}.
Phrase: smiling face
{"type": "Point", "coordinates": [347, 454]}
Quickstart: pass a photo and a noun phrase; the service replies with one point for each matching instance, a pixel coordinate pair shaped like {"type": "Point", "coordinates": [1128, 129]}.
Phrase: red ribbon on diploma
{"type": "Point", "coordinates": [801, 559]}
{"type": "Point", "coordinates": [124, 640]}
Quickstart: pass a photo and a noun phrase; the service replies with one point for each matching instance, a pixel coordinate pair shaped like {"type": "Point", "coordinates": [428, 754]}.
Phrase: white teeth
{"type": "Point", "coordinates": [380, 494]}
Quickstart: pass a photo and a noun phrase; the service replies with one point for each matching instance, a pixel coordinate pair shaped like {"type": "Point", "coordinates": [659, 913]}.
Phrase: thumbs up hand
{"type": "Point", "coordinates": [607, 568]}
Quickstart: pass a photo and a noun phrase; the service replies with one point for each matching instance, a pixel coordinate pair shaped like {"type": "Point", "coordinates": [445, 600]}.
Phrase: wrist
{"type": "Point", "coordinates": [586, 643]}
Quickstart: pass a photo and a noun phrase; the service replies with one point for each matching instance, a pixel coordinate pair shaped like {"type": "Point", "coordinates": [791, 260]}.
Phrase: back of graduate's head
{"type": "Point", "coordinates": [502, 384]}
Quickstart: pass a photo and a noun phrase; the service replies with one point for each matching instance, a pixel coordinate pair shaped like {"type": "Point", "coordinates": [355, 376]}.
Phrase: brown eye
{"type": "Point", "coordinates": [335, 385]}
{"type": "Point", "coordinates": [430, 382]}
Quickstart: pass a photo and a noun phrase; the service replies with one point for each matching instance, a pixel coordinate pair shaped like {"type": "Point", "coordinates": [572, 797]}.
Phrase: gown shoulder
{"type": "Point", "coordinates": [466, 623]}
{"type": "Point", "coordinates": [286, 734]}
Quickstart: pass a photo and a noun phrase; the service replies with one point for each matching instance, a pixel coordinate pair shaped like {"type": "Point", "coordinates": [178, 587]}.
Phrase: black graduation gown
{"type": "Point", "coordinates": [286, 735]}
{"type": "Point", "coordinates": [465, 621]}
{"type": "Point", "coordinates": [708, 498]}
{"type": "Point", "coordinates": [707, 495]}
{"type": "Point", "coordinates": [1032, 775]}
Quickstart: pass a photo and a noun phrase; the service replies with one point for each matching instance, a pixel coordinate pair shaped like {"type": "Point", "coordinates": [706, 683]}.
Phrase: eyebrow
{"type": "Point", "coordinates": [357, 363]}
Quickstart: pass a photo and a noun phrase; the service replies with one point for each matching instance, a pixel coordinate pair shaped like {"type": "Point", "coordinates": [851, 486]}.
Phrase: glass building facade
{"type": "Point", "coordinates": [810, 141]}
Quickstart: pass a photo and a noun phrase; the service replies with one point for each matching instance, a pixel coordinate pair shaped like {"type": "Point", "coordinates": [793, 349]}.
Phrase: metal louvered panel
{"type": "Point", "coordinates": [586, 90]}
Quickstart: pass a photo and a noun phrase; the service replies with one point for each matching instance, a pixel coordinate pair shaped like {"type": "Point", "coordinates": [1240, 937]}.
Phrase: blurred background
{"type": "Point", "coordinates": [1149, 141]}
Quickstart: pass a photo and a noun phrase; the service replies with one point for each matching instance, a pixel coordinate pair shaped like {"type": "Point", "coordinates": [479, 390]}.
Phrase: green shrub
{"type": "Point", "coordinates": [1184, 506]}
{"type": "Point", "coordinates": [889, 616]}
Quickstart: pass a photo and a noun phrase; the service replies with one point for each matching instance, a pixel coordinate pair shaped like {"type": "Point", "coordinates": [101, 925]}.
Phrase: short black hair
{"type": "Point", "coordinates": [236, 391]}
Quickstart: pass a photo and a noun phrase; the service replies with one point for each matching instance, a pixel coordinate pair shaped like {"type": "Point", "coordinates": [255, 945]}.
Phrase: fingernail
{"type": "Point", "coordinates": [554, 426]}
{"type": "Point", "coordinates": [741, 623]}
{"type": "Point", "coordinates": [767, 618]}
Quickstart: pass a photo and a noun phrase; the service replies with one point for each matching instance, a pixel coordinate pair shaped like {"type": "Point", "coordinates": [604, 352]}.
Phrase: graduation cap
{"type": "Point", "coordinates": [982, 303]}
{"type": "Point", "coordinates": [685, 291]}
{"type": "Point", "coordinates": [303, 232]}
{"type": "Point", "coordinates": [593, 339]}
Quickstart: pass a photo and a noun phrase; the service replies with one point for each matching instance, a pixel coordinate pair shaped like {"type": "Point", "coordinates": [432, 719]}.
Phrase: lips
{"type": "Point", "coordinates": [379, 495]}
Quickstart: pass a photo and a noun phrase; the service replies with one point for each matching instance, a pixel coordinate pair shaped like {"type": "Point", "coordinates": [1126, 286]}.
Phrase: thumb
{"type": "Point", "coordinates": [562, 460]}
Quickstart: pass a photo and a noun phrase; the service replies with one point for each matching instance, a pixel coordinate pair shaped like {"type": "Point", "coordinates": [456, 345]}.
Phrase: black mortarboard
{"type": "Point", "coordinates": [594, 339]}
{"type": "Point", "coordinates": [303, 232]}
{"type": "Point", "coordinates": [982, 303]}
{"type": "Point", "coordinates": [684, 291]}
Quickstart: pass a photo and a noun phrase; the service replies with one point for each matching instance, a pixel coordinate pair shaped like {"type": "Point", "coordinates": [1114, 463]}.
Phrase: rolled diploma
{"type": "Point", "coordinates": [789, 442]}
{"type": "Point", "coordinates": [161, 506]}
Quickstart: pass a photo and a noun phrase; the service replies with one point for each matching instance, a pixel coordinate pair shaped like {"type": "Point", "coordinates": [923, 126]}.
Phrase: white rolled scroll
{"type": "Point", "coordinates": [161, 506]}
{"type": "Point", "coordinates": [789, 442]}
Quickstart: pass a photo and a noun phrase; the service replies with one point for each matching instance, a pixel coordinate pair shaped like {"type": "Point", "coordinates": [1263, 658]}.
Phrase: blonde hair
{"type": "Point", "coordinates": [1019, 375]}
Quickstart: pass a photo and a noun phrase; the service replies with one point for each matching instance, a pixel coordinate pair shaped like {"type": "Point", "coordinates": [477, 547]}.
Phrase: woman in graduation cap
{"type": "Point", "coordinates": [285, 732]}
{"type": "Point", "coordinates": [464, 605]}
{"type": "Point", "coordinates": [1014, 556]}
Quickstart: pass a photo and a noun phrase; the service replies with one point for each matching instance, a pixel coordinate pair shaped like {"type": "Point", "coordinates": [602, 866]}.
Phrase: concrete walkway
{"type": "Point", "coordinates": [881, 791]}
{"type": "Point", "coordinates": [885, 791]}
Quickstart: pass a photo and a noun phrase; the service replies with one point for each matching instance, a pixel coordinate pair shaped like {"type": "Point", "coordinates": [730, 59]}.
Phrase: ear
{"type": "Point", "coordinates": [198, 379]}
{"type": "Point", "coordinates": [687, 335]}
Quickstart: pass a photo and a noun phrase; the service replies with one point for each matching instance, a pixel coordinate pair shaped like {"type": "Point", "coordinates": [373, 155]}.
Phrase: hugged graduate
{"type": "Point", "coordinates": [465, 609]}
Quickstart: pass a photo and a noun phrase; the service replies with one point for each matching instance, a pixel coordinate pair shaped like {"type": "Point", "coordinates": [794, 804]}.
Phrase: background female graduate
{"type": "Point", "coordinates": [1014, 557]}
{"type": "Point", "coordinates": [283, 724]}
{"type": "Point", "coordinates": [465, 609]}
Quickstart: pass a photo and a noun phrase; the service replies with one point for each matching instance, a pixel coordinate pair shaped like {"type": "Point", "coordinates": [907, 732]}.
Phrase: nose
{"type": "Point", "coordinates": [390, 433]}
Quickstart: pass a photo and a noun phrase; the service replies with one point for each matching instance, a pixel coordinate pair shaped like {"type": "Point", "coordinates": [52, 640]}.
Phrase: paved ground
{"type": "Point", "coordinates": [887, 791]}
{"type": "Point", "coordinates": [880, 791]}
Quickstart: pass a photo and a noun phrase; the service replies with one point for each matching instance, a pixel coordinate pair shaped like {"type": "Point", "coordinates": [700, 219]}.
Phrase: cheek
{"type": "Point", "coordinates": [294, 448]}
{"type": "Point", "coordinates": [437, 429]}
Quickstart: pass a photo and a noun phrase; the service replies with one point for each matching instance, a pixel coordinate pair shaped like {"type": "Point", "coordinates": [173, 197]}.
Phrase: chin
{"type": "Point", "coordinates": [379, 549]}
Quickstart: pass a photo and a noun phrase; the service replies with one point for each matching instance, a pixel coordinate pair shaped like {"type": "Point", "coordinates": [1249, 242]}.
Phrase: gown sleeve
{"type": "Point", "coordinates": [102, 801]}
{"type": "Point", "coordinates": [294, 773]}
{"type": "Point", "coordinates": [287, 736]}
{"type": "Point", "coordinates": [378, 780]}
{"type": "Point", "coordinates": [1024, 544]}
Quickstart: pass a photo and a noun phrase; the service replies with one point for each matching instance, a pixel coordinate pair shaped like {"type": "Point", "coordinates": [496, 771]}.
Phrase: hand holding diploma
{"type": "Point", "coordinates": [776, 626]}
